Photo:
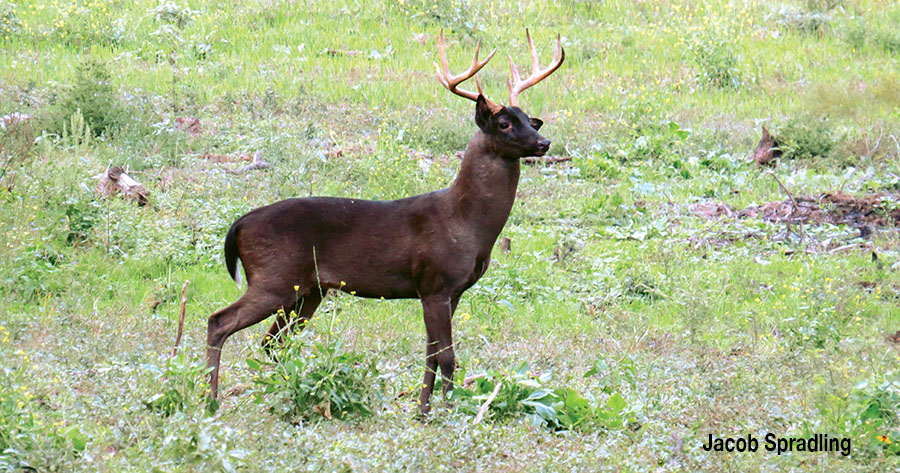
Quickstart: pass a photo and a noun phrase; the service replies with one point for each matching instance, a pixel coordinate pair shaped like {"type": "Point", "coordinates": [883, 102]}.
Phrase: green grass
{"type": "Point", "coordinates": [728, 326]}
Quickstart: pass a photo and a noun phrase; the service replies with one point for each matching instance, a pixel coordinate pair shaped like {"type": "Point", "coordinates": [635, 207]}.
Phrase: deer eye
{"type": "Point", "coordinates": [504, 125]}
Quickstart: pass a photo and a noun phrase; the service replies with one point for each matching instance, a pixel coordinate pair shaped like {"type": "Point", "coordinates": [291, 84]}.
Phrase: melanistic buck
{"type": "Point", "coordinates": [432, 246]}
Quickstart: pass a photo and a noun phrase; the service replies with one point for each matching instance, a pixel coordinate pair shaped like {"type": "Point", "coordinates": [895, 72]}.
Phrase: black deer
{"type": "Point", "coordinates": [432, 246]}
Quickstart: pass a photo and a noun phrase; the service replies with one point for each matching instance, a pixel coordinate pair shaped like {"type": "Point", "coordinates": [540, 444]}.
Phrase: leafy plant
{"type": "Point", "coordinates": [806, 137]}
{"type": "Point", "coordinates": [889, 40]}
{"type": "Point", "coordinates": [660, 141]}
{"type": "Point", "coordinates": [171, 13]}
{"type": "Point", "coordinates": [81, 219]}
{"type": "Point", "coordinates": [27, 442]}
{"type": "Point", "coordinates": [523, 393]}
{"type": "Point", "coordinates": [182, 385]}
{"type": "Point", "coordinates": [202, 444]}
{"type": "Point", "coordinates": [315, 379]}
{"type": "Point", "coordinates": [716, 60]}
{"type": "Point", "coordinates": [872, 413]}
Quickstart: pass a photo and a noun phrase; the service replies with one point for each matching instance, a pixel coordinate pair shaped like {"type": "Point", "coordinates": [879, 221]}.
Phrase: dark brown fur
{"type": "Point", "coordinates": [432, 246]}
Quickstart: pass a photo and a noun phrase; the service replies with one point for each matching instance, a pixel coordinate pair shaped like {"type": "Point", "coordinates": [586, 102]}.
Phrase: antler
{"type": "Point", "coordinates": [451, 82]}
{"type": "Point", "coordinates": [516, 85]}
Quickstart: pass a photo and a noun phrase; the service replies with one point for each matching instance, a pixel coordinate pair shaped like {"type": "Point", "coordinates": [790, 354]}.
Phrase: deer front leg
{"type": "Point", "coordinates": [438, 310]}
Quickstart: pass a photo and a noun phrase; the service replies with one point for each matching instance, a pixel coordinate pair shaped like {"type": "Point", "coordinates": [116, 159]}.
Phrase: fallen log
{"type": "Point", "coordinates": [257, 163]}
{"type": "Point", "coordinates": [114, 180]}
{"type": "Point", "coordinates": [767, 150]}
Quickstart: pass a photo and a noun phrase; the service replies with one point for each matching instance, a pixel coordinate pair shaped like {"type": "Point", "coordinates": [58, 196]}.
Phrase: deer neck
{"type": "Point", "coordinates": [485, 188]}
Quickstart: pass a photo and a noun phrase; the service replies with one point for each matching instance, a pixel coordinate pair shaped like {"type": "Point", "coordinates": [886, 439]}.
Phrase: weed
{"type": "Point", "coordinates": [171, 13]}
{"type": "Point", "coordinates": [716, 60]}
{"type": "Point", "coordinates": [317, 379]}
{"type": "Point", "coordinates": [30, 437]}
{"type": "Point", "coordinates": [182, 386]}
{"type": "Point", "coordinates": [888, 40]}
{"type": "Point", "coordinates": [455, 14]}
{"type": "Point", "coordinates": [857, 35]}
{"type": "Point", "coordinates": [523, 393]}
{"type": "Point", "coordinates": [9, 21]}
{"type": "Point", "coordinates": [871, 415]}
{"type": "Point", "coordinates": [16, 147]}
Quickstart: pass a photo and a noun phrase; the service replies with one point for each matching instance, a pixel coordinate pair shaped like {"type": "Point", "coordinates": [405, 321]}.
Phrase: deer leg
{"type": "Point", "coordinates": [439, 349]}
{"type": "Point", "coordinates": [304, 308]}
{"type": "Point", "coordinates": [253, 307]}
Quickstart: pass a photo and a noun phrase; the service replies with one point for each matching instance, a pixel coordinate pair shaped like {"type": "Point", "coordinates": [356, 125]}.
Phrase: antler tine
{"type": "Point", "coordinates": [517, 85]}
{"type": "Point", "coordinates": [452, 81]}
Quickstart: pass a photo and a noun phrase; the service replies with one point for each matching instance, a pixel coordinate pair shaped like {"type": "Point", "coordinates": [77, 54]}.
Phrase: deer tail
{"type": "Point", "coordinates": [232, 260]}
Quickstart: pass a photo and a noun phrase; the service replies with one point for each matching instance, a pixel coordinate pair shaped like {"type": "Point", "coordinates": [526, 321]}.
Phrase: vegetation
{"type": "Point", "coordinates": [623, 327]}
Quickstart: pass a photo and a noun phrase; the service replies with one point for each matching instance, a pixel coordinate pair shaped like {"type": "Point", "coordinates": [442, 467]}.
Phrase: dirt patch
{"type": "Point", "coordinates": [191, 125]}
{"type": "Point", "coordinates": [879, 209]}
{"type": "Point", "coordinates": [711, 210]}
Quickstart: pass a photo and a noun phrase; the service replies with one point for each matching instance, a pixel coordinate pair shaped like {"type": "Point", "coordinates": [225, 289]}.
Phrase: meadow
{"type": "Point", "coordinates": [653, 293]}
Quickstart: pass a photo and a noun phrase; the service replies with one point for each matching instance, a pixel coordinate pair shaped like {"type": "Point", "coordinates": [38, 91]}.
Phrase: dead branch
{"type": "Point", "coordinates": [181, 318]}
{"type": "Point", "coordinates": [870, 152]}
{"type": "Point", "coordinates": [846, 247]}
{"type": "Point", "coordinates": [13, 120]}
{"type": "Point", "coordinates": [546, 159]}
{"type": "Point", "coordinates": [490, 399]}
{"type": "Point", "coordinates": [471, 379]}
{"type": "Point", "coordinates": [114, 180]}
{"type": "Point", "coordinates": [796, 208]}
{"type": "Point", "coordinates": [257, 163]}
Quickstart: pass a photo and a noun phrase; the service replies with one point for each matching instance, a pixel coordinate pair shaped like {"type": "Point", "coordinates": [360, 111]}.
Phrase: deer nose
{"type": "Point", "coordinates": [544, 144]}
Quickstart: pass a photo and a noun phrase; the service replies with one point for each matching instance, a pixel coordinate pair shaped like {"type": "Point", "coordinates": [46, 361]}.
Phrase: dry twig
{"type": "Point", "coordinates": [181, 318]}
{"type": "Point", "coordinates": [471, 379]}
{"type": "Point", "coordinates": [490, 399]}
{"type": "Point", "coordinates": [796, 208]}
{"type": "Point", "coordinates": [546, 159]}
{"type": "Point", "coordinates": [257, 163]}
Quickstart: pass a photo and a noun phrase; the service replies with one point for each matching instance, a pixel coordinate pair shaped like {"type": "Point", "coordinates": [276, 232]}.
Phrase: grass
{"type": "Point", "coordinates": [728, 326]}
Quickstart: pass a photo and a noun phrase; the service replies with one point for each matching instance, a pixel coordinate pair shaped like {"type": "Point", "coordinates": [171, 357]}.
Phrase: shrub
{"type": "Point", "coordinates": [93, 97]}
{"type": "Point", "coordinates": [315, 379]}
{"type": "Point", "coordinates": [889, 40]}
{"type": "Point", "coordinates": [806, 137]}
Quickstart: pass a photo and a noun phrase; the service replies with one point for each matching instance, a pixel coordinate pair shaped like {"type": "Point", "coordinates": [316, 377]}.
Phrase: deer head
{"type": "Point", "coordinates": [513, 133]}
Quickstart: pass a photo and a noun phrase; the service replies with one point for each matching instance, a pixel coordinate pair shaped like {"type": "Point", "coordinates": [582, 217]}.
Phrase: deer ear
{"type": "Point", "coordinates": [536, 123]}
{"type": "Point", "coordinates": [483, 113]}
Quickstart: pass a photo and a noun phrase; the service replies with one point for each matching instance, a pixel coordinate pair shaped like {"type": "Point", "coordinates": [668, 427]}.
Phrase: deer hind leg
{"type": "Point", "coordinates": [304, 308]}
{"type": "Point", "coordinates": [253, 307]}
{"type": "Point", "coordinates": [438, 311]}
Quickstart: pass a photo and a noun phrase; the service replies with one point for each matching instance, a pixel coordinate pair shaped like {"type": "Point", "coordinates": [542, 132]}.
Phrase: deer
{"type": "Point", "coordinates": [432, 246]}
